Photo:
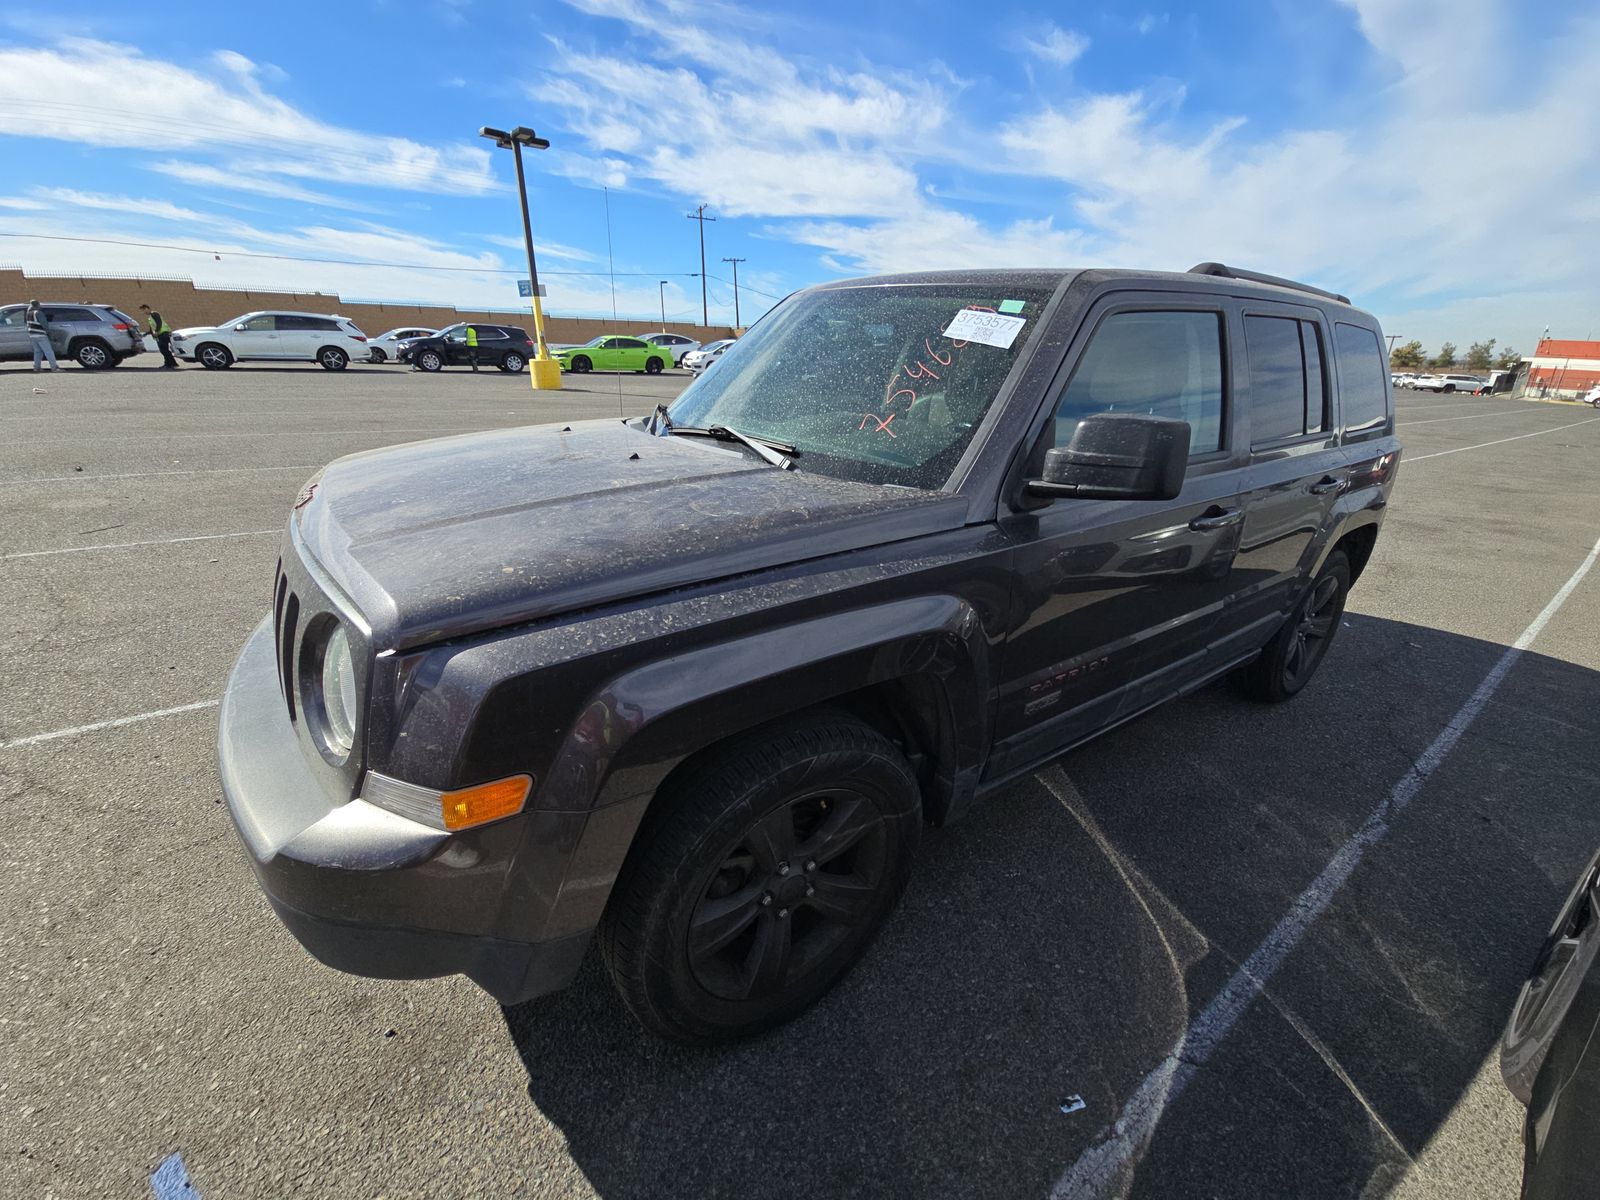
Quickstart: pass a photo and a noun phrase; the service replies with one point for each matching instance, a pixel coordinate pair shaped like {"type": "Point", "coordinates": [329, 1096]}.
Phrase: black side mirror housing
{"type": "Point", "coordinates": [1118, 456]}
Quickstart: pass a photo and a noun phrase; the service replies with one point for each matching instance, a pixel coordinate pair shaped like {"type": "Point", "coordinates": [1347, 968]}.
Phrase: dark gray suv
{"type": "Point", "coordinates": [93, 335]}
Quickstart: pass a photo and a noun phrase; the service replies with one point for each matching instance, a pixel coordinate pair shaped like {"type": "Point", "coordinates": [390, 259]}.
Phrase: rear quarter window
{"type": "Point", "coordinates": [1363, 375]}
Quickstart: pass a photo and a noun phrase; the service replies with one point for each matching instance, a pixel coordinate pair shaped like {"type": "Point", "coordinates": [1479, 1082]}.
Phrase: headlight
{"type": "Point", "coordinates": [333, 690]}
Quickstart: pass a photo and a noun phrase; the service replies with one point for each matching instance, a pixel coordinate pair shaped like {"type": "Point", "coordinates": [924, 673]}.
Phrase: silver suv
{"type": "Point", "coordinates": [93, 335]}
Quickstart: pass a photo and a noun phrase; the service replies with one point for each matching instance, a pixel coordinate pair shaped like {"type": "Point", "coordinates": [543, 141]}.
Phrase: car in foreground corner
{"type": "Point", "coordinates": [614, 352]}
{"type": "Point", "coordinates": [690, 685]}
{"type": "Point", "coordinates": [331, 341]}
{"type": "Point", "coordinates": [1550, 1052]}
{"type": "Point", "coordinates": [387, 345]}
{"type": "Point", "coordinates": [506, 347]}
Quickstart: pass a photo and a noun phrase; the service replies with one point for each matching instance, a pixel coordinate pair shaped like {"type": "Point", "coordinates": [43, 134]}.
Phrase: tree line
{"type": "Point", "coordinates": [1480, 356]}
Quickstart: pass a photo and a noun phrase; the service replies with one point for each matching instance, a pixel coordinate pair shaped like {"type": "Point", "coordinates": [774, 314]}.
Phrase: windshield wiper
{"type": "Point", "coordinates": [779, 454]}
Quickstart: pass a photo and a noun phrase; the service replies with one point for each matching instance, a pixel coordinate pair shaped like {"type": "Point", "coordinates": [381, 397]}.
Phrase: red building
{"type": "Point", "coordinates": [1564, 365]}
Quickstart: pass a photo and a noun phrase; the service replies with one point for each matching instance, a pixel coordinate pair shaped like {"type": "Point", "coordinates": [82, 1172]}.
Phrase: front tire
{"type": "Point", "coordinates": [214, 357]}
{"type": "Point", "coordinates": [760, 877]}
{"type": "Point", "coordinates": [332, 358]}
{"type": "Point", "coordinates": [378, 356]}
{"type": "Point", "coordinates": [430, 360]}
{"type": "Point", "coordinates": [1295, 652]}
{"type": "Point", "coordinates": [581, 365]}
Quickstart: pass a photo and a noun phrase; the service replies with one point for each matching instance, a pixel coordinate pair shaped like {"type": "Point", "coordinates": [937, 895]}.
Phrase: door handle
{"type": "Point", "coordinates": [1325, 485]}
{"type": "Point", "coordinates": [1216, 518]}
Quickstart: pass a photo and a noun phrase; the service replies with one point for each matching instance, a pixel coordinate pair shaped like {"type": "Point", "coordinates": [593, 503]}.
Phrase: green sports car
{"type": "Point", "coordinates": [612, 352]}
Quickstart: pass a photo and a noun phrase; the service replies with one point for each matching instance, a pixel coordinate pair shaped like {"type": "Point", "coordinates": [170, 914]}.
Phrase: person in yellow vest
{"type": "Point", "coordinates": [472, 345]}
{"type": "Point", "coordinates": [162, 332]}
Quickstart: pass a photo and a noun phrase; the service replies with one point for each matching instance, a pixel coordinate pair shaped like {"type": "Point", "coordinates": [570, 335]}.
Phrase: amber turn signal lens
{"type": "Point", "coordinates": [486, 802]}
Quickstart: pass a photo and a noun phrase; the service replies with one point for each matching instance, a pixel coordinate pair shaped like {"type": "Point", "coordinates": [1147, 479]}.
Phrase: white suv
{"type": "Point", "coordinates": [674, 344]}
{"type": "Point", "coordinates": [331, 341]}
{"type": "Point", "coordinates": [1452, 383]}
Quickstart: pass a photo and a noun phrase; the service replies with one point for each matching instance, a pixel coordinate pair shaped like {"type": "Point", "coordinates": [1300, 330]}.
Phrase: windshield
{"type": "Point", "coordinates": [864, 382]}
{"type": "Point", "coordinates": [595, 341]}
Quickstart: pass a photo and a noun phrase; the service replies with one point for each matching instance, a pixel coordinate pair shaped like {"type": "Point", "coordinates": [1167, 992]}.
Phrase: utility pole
{"type": "Point", "coordinates": [662, 292]}
{"type": "Point", "coordinates": [543, 372]}
{"type": "Point", "coordinates": [699, 214]}
{"type": "Point", "coordinates": [735, 262]}
{"type": "Point", "coordinates": [1393, 338]}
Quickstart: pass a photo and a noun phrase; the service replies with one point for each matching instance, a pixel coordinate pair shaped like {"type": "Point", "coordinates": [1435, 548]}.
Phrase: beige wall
{"type": "Point", "coordinates": [181, 303]}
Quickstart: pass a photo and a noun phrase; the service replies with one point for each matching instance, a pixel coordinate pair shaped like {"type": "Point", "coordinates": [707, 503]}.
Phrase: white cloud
{"type": "Point", "coordinates": [240, 179]}
{"type": "Point", "coordinates": [541, 248]}
{"type": "Point", "coordinates": [1056, 45]}
{"type": "Point", "coordinates": [48, 92]}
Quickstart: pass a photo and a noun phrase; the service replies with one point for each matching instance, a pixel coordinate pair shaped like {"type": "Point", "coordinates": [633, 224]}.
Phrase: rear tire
{"type": "Point", "coordinates": [652, 366]}
{"type": "Point", "coordinates": [1295, 652]}
{"type": "Point", "coordinates": [214, 357]}
{"type": "Point", "coordinates": [93, 355]}
{"type": "Point", "coordinates": [513, 362]}
{"type": "Point", "coordinates": [759, 877]}
{"type": "Point", "coordinates": [331, 358]}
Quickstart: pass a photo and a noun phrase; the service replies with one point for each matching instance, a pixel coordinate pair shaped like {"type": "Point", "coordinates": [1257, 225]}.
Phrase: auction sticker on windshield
{"type": "Point", "coordinates": [989, 328]}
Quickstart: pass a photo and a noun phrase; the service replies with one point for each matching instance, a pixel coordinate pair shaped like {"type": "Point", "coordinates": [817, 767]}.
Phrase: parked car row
{"type": "Point", "coordinates": [1438, 383]}
{"type": "Point", "coordinates": [98, 336]}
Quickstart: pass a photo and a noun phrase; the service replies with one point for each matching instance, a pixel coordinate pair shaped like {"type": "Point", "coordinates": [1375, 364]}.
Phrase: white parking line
{"type": "Point", "coordinates": [1105, 1166]}
{"type": "Point", "coordinates": [204, 537]}
{"type": "Point", "coordinates": [1470, 417]}
{"type": "Point", "coordinates": [1501, 441]}
{"type": "Point", "coordinates": [94, 726]}
{"type": "Point", "coordinates": [155, 474]}
{"type": "Point", "coordinates": [265, 433]}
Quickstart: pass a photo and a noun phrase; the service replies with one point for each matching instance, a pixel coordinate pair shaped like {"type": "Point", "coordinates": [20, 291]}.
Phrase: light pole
{"type": "Point", "coordinates": [543, 372]}
{"type": "Point", "coordinates": [735, 262]}
{"type": "Point", "coordinates": [662, 291]}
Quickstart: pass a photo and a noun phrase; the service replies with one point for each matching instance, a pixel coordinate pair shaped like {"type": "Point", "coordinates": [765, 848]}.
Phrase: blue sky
{"type": "Point", "coordinates": [1439, 160]}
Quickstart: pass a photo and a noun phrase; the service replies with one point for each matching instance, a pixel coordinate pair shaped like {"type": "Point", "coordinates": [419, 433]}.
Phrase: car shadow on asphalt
{"type": "Point", "coordinates": [1055, 944]}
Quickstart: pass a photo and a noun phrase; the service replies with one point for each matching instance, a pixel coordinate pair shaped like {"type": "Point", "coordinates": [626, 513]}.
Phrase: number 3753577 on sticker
{"type": "Point", "coordinates": [989, 328]}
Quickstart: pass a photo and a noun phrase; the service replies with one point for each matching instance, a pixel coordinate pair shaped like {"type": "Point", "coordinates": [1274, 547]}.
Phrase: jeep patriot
{"type": "Point", "coordinates": [690, 684]}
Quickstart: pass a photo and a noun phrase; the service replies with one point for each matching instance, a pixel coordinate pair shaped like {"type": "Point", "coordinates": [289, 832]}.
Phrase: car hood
{"type": "Point", "coordinates": [459, 535]}
{"type": "Point", "coordinates": [191, 330]}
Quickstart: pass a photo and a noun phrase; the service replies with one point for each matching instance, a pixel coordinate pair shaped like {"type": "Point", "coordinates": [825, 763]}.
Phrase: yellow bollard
{"type": "Point", "coordinates": [544, 372]}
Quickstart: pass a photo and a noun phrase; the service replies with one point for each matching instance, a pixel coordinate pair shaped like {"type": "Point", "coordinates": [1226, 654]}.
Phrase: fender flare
{"type": "Point", "coordinates": [642, 724]}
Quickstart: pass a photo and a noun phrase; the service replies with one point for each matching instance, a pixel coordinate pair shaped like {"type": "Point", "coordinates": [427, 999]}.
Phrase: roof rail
{"type": "Point", "coordinates": [1226, 272]}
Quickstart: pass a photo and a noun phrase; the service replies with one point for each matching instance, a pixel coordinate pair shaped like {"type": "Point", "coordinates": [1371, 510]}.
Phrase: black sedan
{"type": "Point", "coordinates": [1550, 1055]}
{"type": "Point", "coordinates": [504, 346]}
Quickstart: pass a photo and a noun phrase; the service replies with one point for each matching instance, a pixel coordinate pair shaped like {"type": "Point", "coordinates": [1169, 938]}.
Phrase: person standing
{"type": "Point", "coordinates": [472, 345]}
{"type": "Point", "coordinates": [39, 335]}
{"type": "Point", "coordinates": [162, 332]}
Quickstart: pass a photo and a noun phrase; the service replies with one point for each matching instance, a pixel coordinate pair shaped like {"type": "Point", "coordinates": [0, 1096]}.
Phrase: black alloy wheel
{"type": "Point", "coordinates": [760, 876]}
{"type": "Point", "coordinates": [1295, 652]}
{"type": "Point", "coordinates": [378, 356]}
{"type": "Point", "coordinates": [652, 366]}
{"type": "Point", "coordinates": [581, 365]}
{"type": "Point", "coordinates": [93, 355]}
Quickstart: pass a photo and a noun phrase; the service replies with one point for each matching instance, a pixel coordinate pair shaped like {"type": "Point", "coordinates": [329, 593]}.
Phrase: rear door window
{"type": "Point", "coordinates": [1363, 397]}
{"type": "Point", "coordinates": [1288, 384]}
{"type": "Point", "coordinates": [1164, 364]}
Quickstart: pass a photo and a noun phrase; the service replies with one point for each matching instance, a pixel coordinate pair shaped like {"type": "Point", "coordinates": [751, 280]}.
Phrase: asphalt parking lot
{"type": "Point", "coordinates": [1058, 943]}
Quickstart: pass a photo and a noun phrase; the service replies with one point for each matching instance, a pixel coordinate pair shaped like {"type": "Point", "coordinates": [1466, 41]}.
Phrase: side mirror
{"type": "Point", "coordinates": [1116, 456]}
{"type": "Point", "coordinates": [240, 329]}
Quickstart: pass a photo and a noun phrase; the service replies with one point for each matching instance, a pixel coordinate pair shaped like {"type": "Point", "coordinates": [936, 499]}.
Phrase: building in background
{"type": "Point", "coordinates": [1564, 366]}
